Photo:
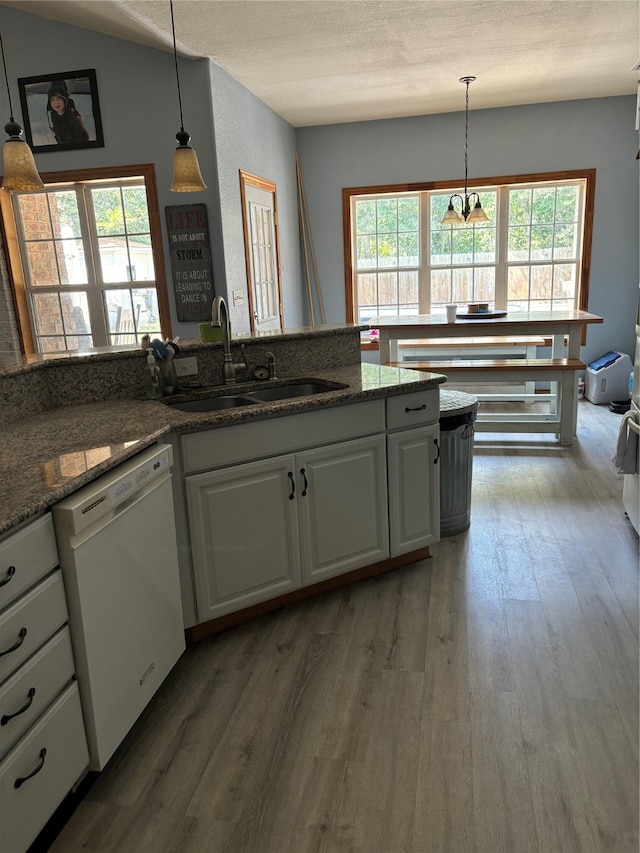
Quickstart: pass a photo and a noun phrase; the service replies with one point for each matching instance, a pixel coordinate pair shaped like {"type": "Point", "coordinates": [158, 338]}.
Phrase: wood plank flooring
{"type": "Point", "coordinates": [483, 701]}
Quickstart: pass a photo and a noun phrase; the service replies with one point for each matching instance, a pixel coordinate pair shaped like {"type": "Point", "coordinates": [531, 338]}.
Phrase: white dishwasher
{"type": "Point", "coordinates": [119, 559]}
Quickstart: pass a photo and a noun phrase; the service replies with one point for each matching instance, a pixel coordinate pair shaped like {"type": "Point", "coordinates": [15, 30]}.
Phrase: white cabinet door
{"type": "Point", "coordinates": [414, 494]}
{"type": "Point", "coordinates": [342, 503]}
{"type": "Point", "coordinates": [244, 535]}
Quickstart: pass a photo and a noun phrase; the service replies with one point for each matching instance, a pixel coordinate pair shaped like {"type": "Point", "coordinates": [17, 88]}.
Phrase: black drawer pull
{"type": "Point", "coordinates": [306, 484]}
{"type": "Point", "coordinates": [437, 444]}
{"type": "Point", "coordinates": [419, 408]}
{"type": "Point", "coordinates": [6, 717]}
{"type": "Point", "coordinates": [293, 485]}
{"type": "Point", "coordinates": [10, 573]}
{"type": "Point", "coordinates": [22, 779]}
{"type": "Point", "coordinates": [17, 644]}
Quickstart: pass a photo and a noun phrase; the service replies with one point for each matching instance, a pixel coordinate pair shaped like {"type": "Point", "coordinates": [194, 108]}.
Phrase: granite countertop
{"type": "Point", "coordinates": [48, 456]}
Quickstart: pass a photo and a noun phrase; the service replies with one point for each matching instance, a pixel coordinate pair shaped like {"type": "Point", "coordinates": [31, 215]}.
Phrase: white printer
{"type": "Point", "coordinates": [607, 378]}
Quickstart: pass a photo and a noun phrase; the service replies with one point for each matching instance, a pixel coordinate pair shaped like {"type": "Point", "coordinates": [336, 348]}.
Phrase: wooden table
{"type": "Point", "coordinates": [559, 326]}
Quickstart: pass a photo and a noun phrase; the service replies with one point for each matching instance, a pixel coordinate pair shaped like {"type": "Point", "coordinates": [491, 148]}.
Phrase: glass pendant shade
{"type": "Point", "coordinates": [477, 214]}
{"type": "Point", "coordinates": [18, 166]}
{"type": "Point", "coordinates": [186, 171]}
{"type": "Point", "coordinates": [451, 215]}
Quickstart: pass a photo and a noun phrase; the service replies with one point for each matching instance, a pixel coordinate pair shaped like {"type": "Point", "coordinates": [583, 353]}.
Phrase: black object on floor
{"type": "Point", "coordinates": [620, 406]}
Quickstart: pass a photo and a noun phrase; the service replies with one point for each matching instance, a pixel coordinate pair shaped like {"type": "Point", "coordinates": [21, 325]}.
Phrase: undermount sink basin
{"type": "Point", "coordinates": [286, 392]}
{"type": "Point", "coordinates": [211, 404]}
{"type": "Point", "coordinates": [260, 395]}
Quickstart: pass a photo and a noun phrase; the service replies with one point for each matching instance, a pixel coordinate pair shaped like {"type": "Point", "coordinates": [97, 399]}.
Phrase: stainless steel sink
{"type": "Point", "coordinates": [267, 394]}
{"type": "Point", "coordinates": [286, 392]}
{"type": "Point", "coordinates": [211, 404]}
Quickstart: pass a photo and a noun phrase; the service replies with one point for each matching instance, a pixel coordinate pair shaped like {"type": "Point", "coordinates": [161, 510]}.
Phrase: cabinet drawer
{"type": "Point", "coordinates": [56, 748]}
{"type": "Point", "coordinates": [26, 625]}
{"type": "Point", "coordinates": [25, 557]}
{"type": "Point", "coordinates": [260, 439]}
{"type": "Point", "coordinates": [30, 691]}
{"type": "Point", "coordinates": [411, 410]}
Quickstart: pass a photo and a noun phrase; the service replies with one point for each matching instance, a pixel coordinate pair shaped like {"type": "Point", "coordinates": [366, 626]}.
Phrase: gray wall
{"type": "Point", "coordinates": [595, 133]}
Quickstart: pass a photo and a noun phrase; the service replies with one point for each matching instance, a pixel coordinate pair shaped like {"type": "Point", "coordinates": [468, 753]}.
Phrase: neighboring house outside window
{"type": "Point", "coordinates": [87, 266]}
{"type": "Point", "coordinates": [532, 254]}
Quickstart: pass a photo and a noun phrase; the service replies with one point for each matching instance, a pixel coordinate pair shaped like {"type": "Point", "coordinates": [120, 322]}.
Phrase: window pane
{"type": "Point", "coordinates": [141, 257]}
{"type": "Point", "coordinates": [107, 208]}
{"type": "Point", "coordinates": [462, 244]}
{"type": "Point", "coordinates": [388, 288]}
{"type": "Point", "coordinates": [441, 246]}
{"type": "Point", "coordinates": [518, 283]}
{"type": "Point", "coordinates": [114, 259]}
{"type": "Point", "coordinates": [42, 266]}
{"type": "Point", "coordinates": [71, 263]}
{"type": "Point", "coordinates": [439, 205]}
{"type": "Point", "coordinates": [408, 289]}
{"type": "Point", "coordinates": [365, 217]}
{"type": "Point", "coordinates": [541, 282]}
{"type": "Point", "coordinates": [135, 212]}
{"type": "Point", "coordinates": [62, 321]}
{"type": "Point", "coordinates": [408, 250]}
{"type": "Point", "coordinates": [518, 244]}
{"type": "Point", "coordinates": [520, 207]}
{"type": "Point", "coordinates": [484, 245]}
{"type": "Point", "coordinates": [441, 287]}
{"type": "Point", "coordinates": [367, 290]}
{"type": "Point", "coordinates": [567, 204]}
{"type": "Point", "coordinates": [565, 243]}
{"type": "Point", "coordinates": [484, 285]}
{"type": "Point", "coordinates": [387, 215]}
{"type": "Point", "coordinates": [366, 251]}
{"type": "Point", "coordinates": [564, 282]}
{"type": "Point", "coordinates": [543, 206]}
{"type": "Point", "coordinates": [387, 250]}
{"type": "Point", "coordinates": [408, 214]}
{"type": "Point", "coordinates": [462, 282]}
{"type": "Point", "coordinates": [541, 242]}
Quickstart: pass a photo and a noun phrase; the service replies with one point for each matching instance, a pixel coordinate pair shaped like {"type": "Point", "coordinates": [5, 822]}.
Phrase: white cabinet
{"type": "Point", "coordinates": [244, 535]}
{"type": "Point", "coordinates": [43, 747]}
{"type": "Point", "coordinates": [414, 489]}
{"type": "Point", "coordinates": [342, 507]}
{"type": "Point", "coordinates": [283, 503]}
{"type": "Point", "coordinates": [262, 529]}
{"type": "Point", "coordinates": [413, 456]}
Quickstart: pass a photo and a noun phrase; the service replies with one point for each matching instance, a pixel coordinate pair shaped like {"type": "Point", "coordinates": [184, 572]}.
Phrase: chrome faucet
{"type": "Point", "coordinates": [220, 318]}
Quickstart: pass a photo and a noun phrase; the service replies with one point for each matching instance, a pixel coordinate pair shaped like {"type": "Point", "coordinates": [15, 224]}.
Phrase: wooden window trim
{"type": "Point", "coordinates": [588, 175]}
{"type": "Point", "coordinates": [102, 173]}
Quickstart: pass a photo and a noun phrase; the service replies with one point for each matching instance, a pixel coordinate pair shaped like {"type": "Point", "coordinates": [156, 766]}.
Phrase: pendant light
{"type": "Point", "coordinates": [467, 214]}
{"type": "Point", "coordinates": [19, 168]}
{"type": "Point", "coordinates": [186, 169]}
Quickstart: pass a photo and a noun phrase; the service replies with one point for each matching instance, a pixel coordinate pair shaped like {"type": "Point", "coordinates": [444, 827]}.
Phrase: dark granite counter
{"type": "Point", "coordinates": [50, 454]}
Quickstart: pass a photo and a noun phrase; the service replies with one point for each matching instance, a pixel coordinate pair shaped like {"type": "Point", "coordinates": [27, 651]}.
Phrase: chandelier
{"type": "Point", "coordinates": [468, 213]}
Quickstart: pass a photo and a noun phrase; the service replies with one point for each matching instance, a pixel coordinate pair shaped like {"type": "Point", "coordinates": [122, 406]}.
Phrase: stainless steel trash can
{"type": "Point", "coordinates": [458, 412]}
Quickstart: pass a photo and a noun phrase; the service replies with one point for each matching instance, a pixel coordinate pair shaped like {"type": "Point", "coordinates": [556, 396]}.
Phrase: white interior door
{"type": "Point", "coordinates": [260, 222]}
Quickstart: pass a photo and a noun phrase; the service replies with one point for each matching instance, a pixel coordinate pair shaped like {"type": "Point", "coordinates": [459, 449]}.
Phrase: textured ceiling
{"type": "Point", "coordinates": [324, 61]}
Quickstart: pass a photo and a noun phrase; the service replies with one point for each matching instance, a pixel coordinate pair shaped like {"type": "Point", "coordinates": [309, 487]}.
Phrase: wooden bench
{"type": "Point", "coordinates": [561, 371]}
{"type": "Point", "coordinates": [517, 346]}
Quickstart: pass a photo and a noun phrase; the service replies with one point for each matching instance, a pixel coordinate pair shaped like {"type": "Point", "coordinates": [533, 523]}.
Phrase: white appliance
{"type": "Point", "coordinates": [119, 559]}
{"type": "Point", "coordinates": [609, 382]}
{"type": "Point", "coordinates": [631, 482]}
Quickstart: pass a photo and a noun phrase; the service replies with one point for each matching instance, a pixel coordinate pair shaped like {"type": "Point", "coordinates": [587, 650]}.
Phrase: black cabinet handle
{"type": "Point", "coordinates": [304, 491]}
{"type": "Point", "coordinates": [293, 485]}
{"type": "Point", "coordinates": [10, 573]}
{"type": "Point", "coordinates": [6, 717]}
{"type": "Point", "coordinates": [17, 644]}
{"type": "Point", "coordinates": [419, 409]}
{"type": "Point", "coordinates": [22, 779]}
{"type": "Point", "coordinates": [437, 444]}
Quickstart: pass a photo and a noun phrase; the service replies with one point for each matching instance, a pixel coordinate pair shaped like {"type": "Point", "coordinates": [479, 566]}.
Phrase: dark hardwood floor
{"type": "Point", "coordinates": [482, 701]}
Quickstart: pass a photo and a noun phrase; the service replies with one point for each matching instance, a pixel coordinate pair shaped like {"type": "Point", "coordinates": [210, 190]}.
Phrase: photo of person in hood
{"type": "Point", "coordinates": [64, 119]}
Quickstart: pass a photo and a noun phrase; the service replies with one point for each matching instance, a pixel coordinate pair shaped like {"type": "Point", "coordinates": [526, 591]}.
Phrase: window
{"type": "Point", "coordinates": [87, 261]}
{"type": "Point", "coordinates": [532, 254]}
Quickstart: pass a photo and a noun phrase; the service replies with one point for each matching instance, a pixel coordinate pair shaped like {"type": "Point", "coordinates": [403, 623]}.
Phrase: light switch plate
{"type": "Point", "coordinates": [186, 366]}
{"type": "Point", "coordinates": [238, 297]}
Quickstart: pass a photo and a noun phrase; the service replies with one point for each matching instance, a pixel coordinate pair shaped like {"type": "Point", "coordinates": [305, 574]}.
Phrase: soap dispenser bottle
{"type": "Point", "coordinates": [154, 379]}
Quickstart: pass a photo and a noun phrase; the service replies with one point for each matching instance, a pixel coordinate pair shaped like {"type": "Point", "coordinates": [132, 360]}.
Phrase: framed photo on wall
{"type": "Point", "coordinates": [61, 111]}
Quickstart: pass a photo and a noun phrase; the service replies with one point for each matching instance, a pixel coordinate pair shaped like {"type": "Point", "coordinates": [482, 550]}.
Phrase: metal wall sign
{"type": "Point", "coordinates": [188, 230]}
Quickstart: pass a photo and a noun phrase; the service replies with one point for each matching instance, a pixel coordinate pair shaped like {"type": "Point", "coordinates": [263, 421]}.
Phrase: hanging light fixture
{"type": "Point", "coordinates": [186, 169]}
{"type": "Point", "coordinates": [468, 213]}
{"type": "Point", "coordinates": [18, 166]}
